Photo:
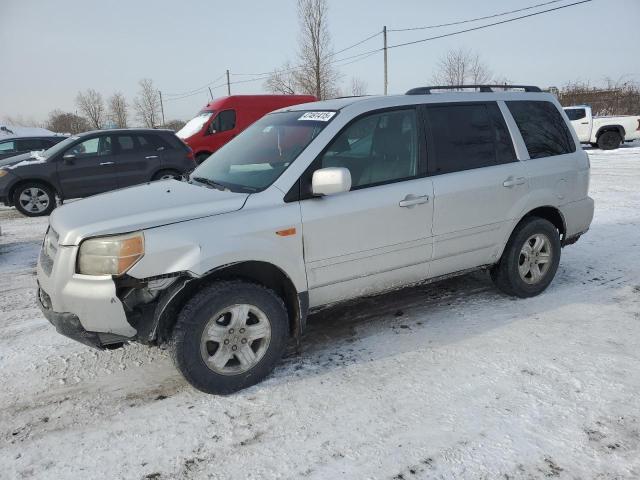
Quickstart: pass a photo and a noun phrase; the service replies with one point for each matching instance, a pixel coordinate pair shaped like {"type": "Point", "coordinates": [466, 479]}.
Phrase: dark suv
{"type": "Point", "coordinates": [90, 163]}
{"type": "Point", "coordinates": [15, 146]}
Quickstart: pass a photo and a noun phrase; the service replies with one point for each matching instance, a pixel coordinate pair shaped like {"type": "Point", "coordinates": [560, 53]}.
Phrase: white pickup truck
{"type": "Point", "coordinates": [606, 133]}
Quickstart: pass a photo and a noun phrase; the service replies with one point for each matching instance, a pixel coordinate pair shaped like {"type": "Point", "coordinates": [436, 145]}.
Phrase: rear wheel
{"type": "Point", "coordinates": [530, 259]}
{"type": "Point", "coordinates": [201, 157]}
{"type": "Point", "coordinates": [34, 199]}
{"type": "Point", "coordinates": [165, 174]}
{"type": "Point", "coordinates": [229, 336]}
{"type": "Point", "coordinates": [609, 140]}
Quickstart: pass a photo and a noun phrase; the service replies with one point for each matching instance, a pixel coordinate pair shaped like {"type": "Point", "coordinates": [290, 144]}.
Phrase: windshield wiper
{"type": "Point", "coordinates": [211, 183]}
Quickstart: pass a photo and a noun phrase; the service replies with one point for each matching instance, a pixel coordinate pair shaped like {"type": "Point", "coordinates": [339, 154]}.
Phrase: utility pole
{"type": "Point", "coordinates": [211, 93]}
{"type": "Point", "coordinates": [384, 36]}
{"type": "Point", "coordinates": [161, 107]}
{"type": "Point", "coordinates": [228, 84]}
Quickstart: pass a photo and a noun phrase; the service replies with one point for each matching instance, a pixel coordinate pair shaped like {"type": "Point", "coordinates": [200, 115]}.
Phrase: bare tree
{"type": "Point", "coordinates": [283, 81]}
{"type": "Point", "coordinates": [90, 103]}
{"type": "Point", "coordinates": [460, 67]}
{"type": "Point", "coordinates": [314, 75]}
{"type": "Point", "coordinates": [358, 86]}
{"type": "Point", "coordinates": [147, 103]}
{"type": "Point", "coordinates": [118, 110]}
{"type": "Point", "coordinates": [174, 125]}
{"type": "Point", "coordinates": [66, 122]}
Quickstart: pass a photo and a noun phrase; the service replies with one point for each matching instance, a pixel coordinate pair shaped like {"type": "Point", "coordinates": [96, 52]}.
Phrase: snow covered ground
{"type": "Point", "coordinates": [452, 380]}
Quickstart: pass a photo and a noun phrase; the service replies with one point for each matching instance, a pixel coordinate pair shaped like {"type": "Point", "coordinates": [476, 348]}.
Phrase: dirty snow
{"type": "Point", "coordinates": [452, 380]}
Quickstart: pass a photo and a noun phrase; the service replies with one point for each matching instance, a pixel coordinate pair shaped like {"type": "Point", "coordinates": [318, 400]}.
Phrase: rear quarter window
{"type": "Point", "coordinates": [543, 129]}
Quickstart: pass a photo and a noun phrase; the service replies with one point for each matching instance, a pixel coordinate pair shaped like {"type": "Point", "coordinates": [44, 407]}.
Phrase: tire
{"type": "Point", "coordinates": [213, 322]}
{"type": "Point", "coordinates": [34, 199]}
{"type": "Point", "coordinates": [609, 140]}
{"type": "Point", "coordinates": [165, 174]}
{"type": "Point", "coordinates": [510, 274]}
{"type": "Point", "coordinates": [201, 157]}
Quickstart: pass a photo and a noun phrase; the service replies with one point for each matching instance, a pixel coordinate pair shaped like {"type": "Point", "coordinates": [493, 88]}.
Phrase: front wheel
{"type": "Point", "coordinates": [530, 259]}
{"type": "Point", "coordinates": [229, 336]}
{"type": "Point", "coordinates": [34, 199]}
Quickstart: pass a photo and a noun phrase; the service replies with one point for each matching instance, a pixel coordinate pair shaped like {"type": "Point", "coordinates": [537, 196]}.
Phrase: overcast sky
{"type": "Point", "coordinates": [53, 49]}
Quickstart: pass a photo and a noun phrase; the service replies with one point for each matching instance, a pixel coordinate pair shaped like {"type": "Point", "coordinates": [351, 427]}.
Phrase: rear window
{"type": "Point", "coordinates": [543, 129]}
{"type": "Point", "coordinates": [575, 113]}
{"type": "Point", "coordinates": [467, 136]}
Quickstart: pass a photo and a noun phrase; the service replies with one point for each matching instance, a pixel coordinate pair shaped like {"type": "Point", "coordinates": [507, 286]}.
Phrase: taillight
{"type": "Point", "coordinates": [190, 155]}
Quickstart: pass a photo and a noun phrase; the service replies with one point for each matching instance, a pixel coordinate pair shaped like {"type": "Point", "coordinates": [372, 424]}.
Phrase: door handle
{"type": "Point", "coordinates": [584, 123]}
{"type": "Point", "coordinates": [151, 156]}
{"type": "Point", "coordinates": [106, 163]}
{"type": "Point", "coordinates": [411, 200]}
{"type": "Point", "coordinates": [512, 182]}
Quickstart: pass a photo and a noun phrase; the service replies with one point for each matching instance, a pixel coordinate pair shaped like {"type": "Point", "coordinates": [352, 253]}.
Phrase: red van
{"type": "Point", "coordinates": [222, 119]}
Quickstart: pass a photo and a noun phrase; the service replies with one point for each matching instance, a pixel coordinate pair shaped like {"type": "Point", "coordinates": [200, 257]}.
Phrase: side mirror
{"type": "Point", "coordinates": [212, 128]}
{"type": "Point", "coordinates": [69, 158]}
{"type": "Point", "coordinates": [331, 180]}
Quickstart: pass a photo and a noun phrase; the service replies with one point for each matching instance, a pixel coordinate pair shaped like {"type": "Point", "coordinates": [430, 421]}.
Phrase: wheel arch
{"type": "Point", "coordinates": [611, 128]}
{"type": "Point", "coordinates": [550, 213]}
{"type": "Point", "coordinates": [260, 272]}
{"type": "Point", "coordinates": [22, 181]}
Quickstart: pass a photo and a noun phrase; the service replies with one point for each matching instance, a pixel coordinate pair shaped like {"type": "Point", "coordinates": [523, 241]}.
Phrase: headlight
{"type": "Point", "coordinates": [3, 172]}
{"type": "Point", "coordinates": [110, 255]}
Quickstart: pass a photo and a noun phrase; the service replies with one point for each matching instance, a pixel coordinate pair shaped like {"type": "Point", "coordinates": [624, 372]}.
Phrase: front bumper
{"type": "Point", "coordinates": [82, 307]}
{"type": "Point", "coordinates": [69, 325]}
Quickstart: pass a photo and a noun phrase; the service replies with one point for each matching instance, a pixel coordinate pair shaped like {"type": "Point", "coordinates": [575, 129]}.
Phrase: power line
{"type": "Point", "coordinates": [487, 25]}
{"type": "Point", "coordinates": [196, 89]}
{"type": "Point", "coordinates": [473, 19]}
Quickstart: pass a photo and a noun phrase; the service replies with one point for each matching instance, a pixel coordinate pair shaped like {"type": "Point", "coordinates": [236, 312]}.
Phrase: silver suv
{"type": "Point", "coordinates": [315, 204]}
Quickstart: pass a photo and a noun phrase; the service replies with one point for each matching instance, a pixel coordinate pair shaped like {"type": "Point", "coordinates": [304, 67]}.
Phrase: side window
{"type": "Point", "coordinates": [464, 137]}
{"type": "Point", "coordinates": [543, 129]}
{"type": "Point", "coordinates": [226, 120]}
{"type": "Point", "coordinates": [152, 143]}
{"type": "Point", "coordinates": [575, 113]}
{"type": "Point", "coordinates": [96, 146]}
{"type": "Point", "coordinates": [30, 144]}
{"type": "Point", "coordinates": [6, 147]}
{"type": "Point", "coordinates": [378, 148]}
{"type": "Point", "coordinates": [126, 143]}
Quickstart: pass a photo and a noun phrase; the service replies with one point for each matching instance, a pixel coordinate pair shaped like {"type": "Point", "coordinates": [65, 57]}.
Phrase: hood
{"type": "Point", "coordinates": [20, 160]}
{"type": "Point", "coordinates": [136, 208]}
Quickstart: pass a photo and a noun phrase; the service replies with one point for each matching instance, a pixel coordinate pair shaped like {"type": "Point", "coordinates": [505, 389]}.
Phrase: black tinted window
{"type": "Point", "coordinates": [575, 113]}
{"type": "Point", "coordinates": [543, 129]}
{"type": "Point", "coordinates": [463, 137]}
{"type": "Point", "coordinates": [378, 148]}
{"type": "Point", "coordinates": [226, 120]}
{"type": "Point", "coordinates": [152, 143]}
{"type": "Point", "coordinates": [30, 144]}
{"type": "Point", "coordinates": [126, 143]}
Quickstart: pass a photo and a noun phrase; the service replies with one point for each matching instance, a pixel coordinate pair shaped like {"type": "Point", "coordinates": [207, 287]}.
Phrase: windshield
{"type": "Point", "coordinates": [58, 147]}
{"type": "Point", "coordinates": [259, 155]}
{"type": "Point", "coordinates": [194, 125]}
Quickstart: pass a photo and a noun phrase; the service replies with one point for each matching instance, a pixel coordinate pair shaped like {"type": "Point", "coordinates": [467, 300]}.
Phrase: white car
{"type": "Point", "coordinates": [315, 204]}
{"type": "Point", "coordinates": [606, 133]}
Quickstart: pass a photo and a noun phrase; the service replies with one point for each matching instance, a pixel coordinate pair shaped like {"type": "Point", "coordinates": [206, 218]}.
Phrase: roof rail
{"type": "Point", "coordinates": [482, 88]}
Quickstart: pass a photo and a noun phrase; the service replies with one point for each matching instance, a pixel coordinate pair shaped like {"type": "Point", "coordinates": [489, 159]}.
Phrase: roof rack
{"type": "Point", "coordinates": [482, 88]}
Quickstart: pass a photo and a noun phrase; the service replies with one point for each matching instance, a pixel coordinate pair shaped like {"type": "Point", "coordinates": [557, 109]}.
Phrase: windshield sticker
{"type": "Point", "coordinates": [317, 116]}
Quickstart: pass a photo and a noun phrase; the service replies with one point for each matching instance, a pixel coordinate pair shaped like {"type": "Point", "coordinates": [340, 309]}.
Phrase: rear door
{"type": "Point", "coordinates": [581, 122]}
{"type": "Point", "coordinates": [87, 167]}
{"type": "Point", "coordinates": [136, 159]}
{"type": "Point", "coordinates": [378, 235]}
{"type": "Point", "coordinates": [477, 182]}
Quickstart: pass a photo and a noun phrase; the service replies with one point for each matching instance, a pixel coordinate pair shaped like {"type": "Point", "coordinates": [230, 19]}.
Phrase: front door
{"type": "Point", "coordinates": [378, 235]}
{"type": "Point", "coordinates": [478, 183]}
{"type": "Point", "coordinates": [87, 167]}
{"type": "Point", "coordinates": [222, 129]}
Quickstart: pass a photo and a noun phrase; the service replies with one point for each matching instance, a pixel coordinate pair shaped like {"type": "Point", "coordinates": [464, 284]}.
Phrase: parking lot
{"type": "Point", "coordinates": [450, 379]}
